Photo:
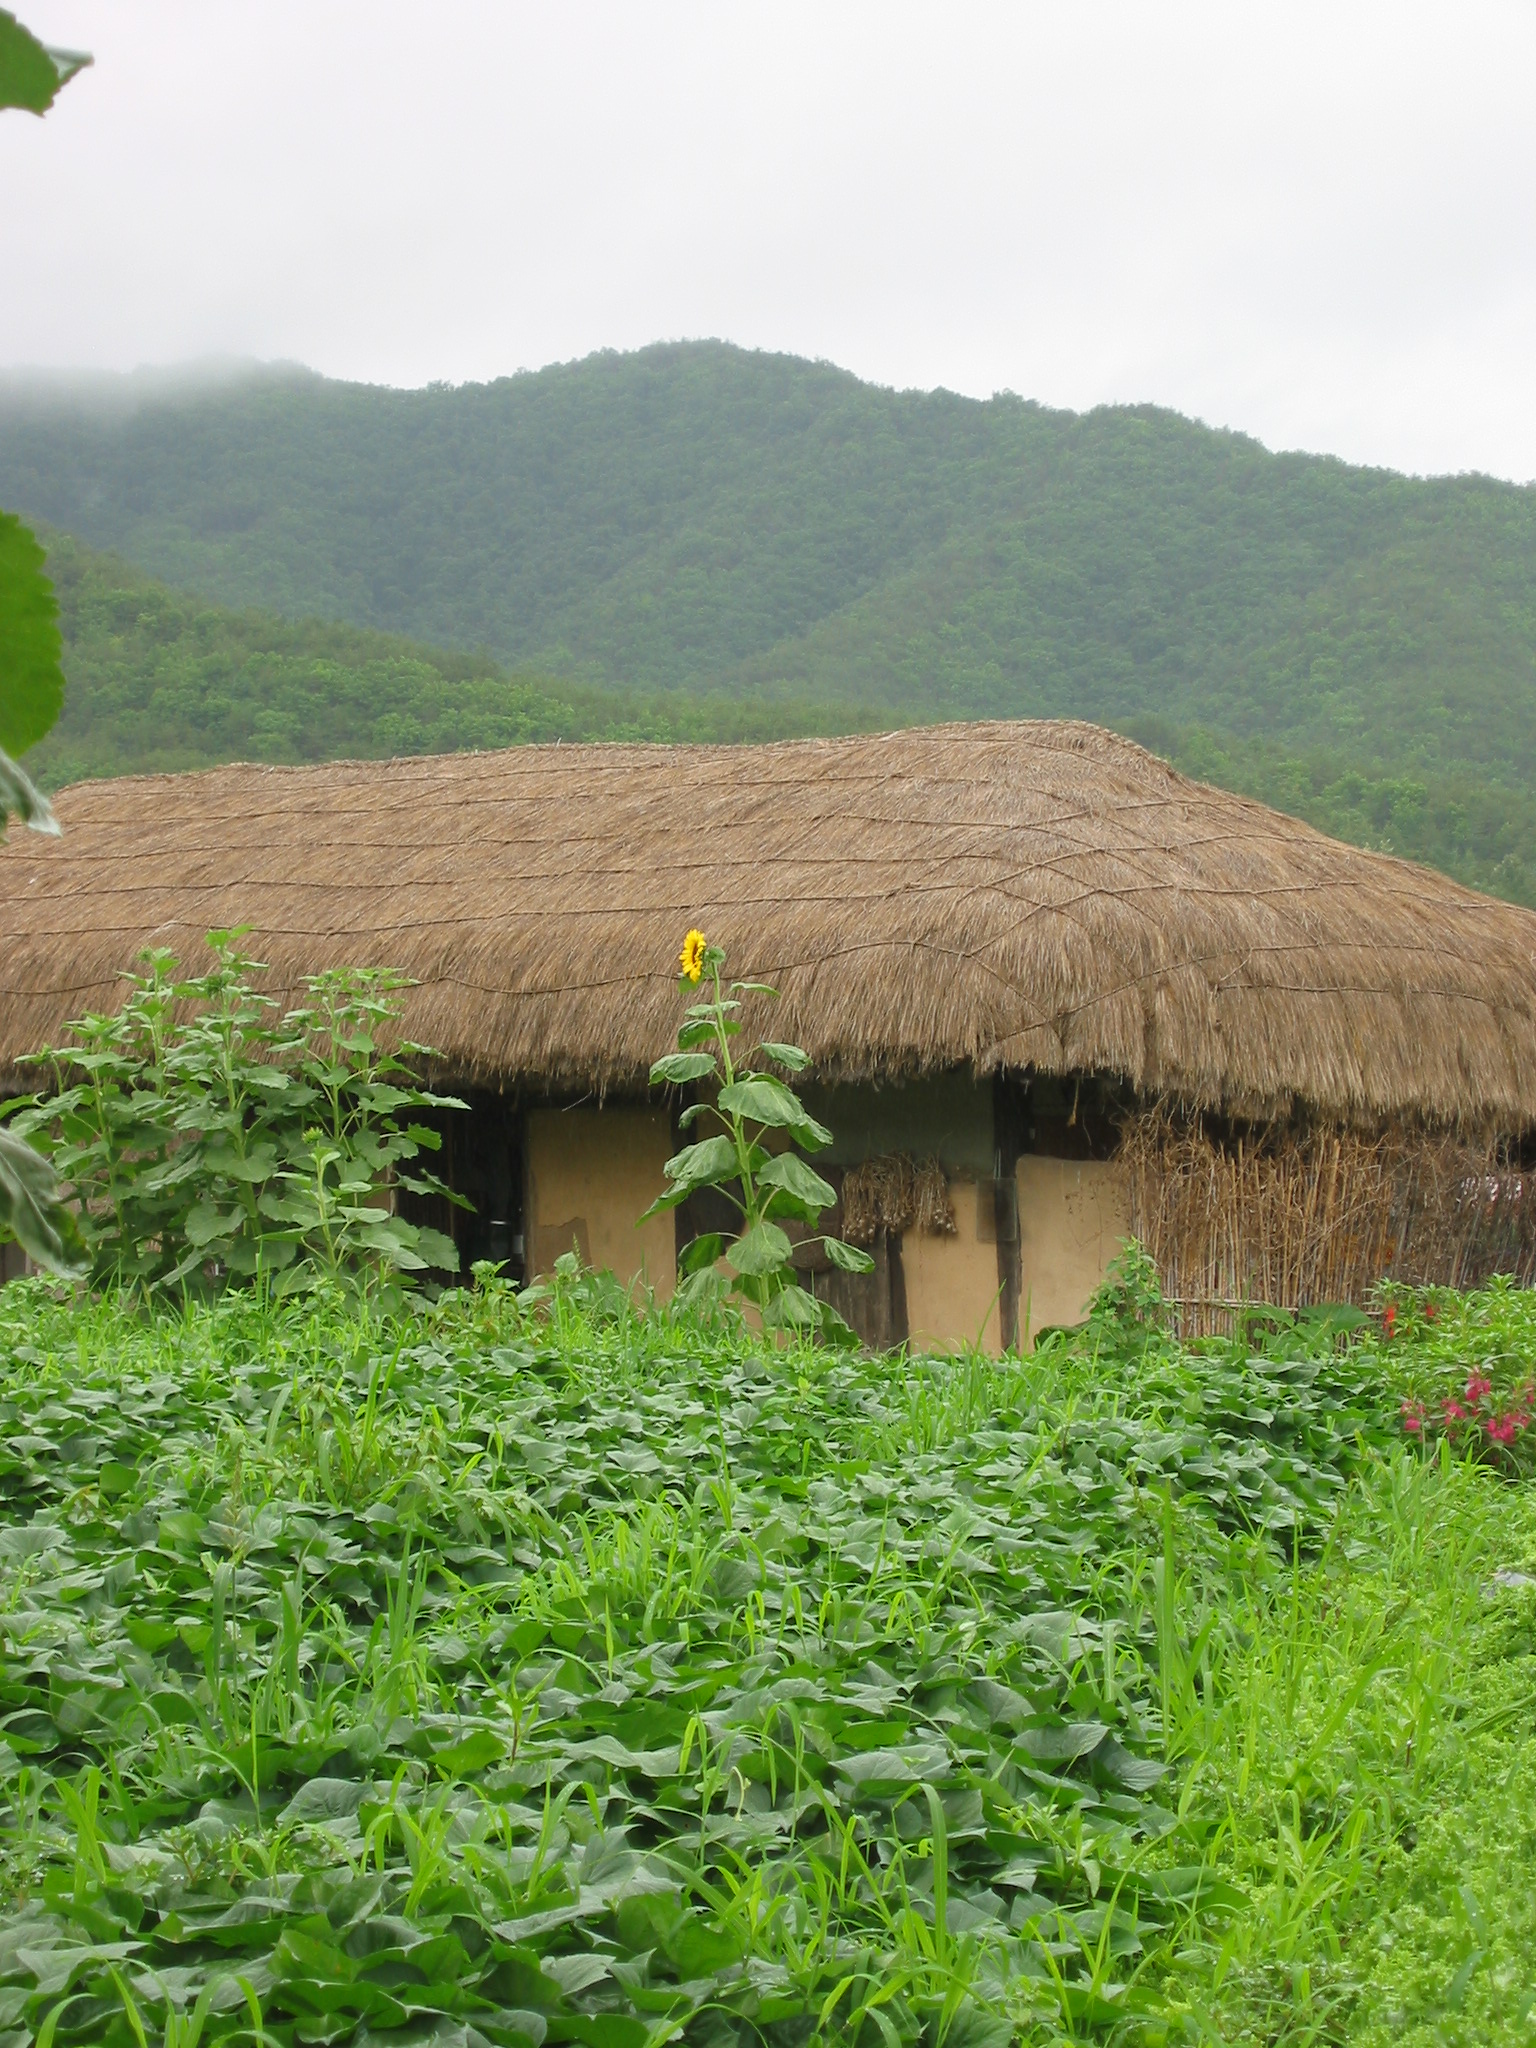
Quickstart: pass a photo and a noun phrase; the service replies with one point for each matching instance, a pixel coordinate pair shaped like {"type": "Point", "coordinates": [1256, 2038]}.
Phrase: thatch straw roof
{"type": "Point", "coordinates": [1029, 895]}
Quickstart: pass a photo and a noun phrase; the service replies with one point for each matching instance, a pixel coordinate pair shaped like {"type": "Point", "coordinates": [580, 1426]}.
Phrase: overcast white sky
{"type": "Point", "coordinates": [1317, 223]}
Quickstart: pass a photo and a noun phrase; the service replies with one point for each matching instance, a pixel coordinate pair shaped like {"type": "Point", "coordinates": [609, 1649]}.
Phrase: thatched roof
{"type": "Point", "coordinates": [1030, 895]}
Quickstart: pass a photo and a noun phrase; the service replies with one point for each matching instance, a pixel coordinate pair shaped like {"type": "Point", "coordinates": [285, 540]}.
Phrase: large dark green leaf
{"type": "Point", "coordinates": [31, 652]}
{"type": "Point", "coordinates": [803, 1184]}
{"type": "Point", "coordinates": [763, 1249]}
{"type": "Point", "coordinates": [710, 1163]}
{"type": "Point", "coordinates": [678, 1067]}
{"type": "Point", "coordinates": [782, 1055]}
{"type": "Point", "coordinates": [436, 1248]}
{"type": "Point", "coordinates": [701, 1254]}
{"type": "Point", "coordinates": [32, 1208]}
{"type": "Point", "coordinates": [32, 72]}
{"type": "Point", "coordinates": [763, 1100]}
{"type": "Point", "coordinates": [794, 1308]}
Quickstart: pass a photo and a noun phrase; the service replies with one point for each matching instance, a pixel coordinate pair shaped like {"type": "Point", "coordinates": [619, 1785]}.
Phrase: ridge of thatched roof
{"type": "Point", "coordinates": [1030, 895]}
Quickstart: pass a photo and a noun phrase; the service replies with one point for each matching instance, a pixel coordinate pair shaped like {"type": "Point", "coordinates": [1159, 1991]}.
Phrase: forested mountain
{"type": "Point", "coordinates": [161, 680]}
{"type": "Point", "coordinates": [697, 515]}
{"type": "Point", "coordinates": [696, 538]}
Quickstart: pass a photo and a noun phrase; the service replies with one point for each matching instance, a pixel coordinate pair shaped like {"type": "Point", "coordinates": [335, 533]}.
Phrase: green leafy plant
{"type": "Point", "coordinates": [1461, 1366]}
{"type": "Point", "coordinates": [32, 73]}
{"type": "Point", "coordinates": [31, 693]}
{"type": "Point", "coordinates": [749, 1158]}
{"type": "Point", "coordinates": [1128, 1309]}
{"type": "Point", "coordinates": [33, 648]}
{"type": "Point", "coordinates": [209, 1137]}
{"type": "Point", "coordinates": [31, 689]}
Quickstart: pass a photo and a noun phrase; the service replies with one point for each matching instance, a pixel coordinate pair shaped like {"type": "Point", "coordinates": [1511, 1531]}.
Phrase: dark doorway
{"type": "Point", "coordinates": [482, 1159]}
{"type": "Point", "coordinates": [874, 1305]}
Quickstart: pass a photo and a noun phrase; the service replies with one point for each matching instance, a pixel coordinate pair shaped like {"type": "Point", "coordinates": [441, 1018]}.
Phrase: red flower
{"type": "Point", "coordinates": [1389, 1317]}
{"type": "Point", "coordinates": [1478, 1384]}
{"type": "Point", "coordinates": [1413, 1417]}
{"type": "Point", "coordinates": [1430, 1312]}
{"type": "Point", "coordinates": [1454, 1412]}
{"type": "Point", "coordinates": [1503, 1430]}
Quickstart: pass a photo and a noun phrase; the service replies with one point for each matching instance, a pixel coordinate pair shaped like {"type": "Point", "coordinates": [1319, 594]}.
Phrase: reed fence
{"type": "Point", "coordinates": [1295, 1217]}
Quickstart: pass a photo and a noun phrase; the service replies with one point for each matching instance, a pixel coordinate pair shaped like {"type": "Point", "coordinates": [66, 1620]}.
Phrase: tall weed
{"type": "Point", "coordinates": [208, 1136]}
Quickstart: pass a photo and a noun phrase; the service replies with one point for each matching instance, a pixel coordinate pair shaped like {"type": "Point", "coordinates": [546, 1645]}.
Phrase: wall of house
{"type": "Point", "coordinates": [945, 1116]}
{"type": "Point", "coordinates": [1073, 1220]}
{"type": "Point", "coordinates": [952, 1285]}
{"type": "Point", "coordinates": [590, 1172]}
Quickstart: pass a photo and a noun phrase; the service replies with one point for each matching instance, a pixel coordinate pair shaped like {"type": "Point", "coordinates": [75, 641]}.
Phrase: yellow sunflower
{"type": "Point", "coordinates": [692, 955]}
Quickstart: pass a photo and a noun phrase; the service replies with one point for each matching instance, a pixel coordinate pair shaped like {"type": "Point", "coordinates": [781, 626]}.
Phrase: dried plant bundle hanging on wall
{"type": "Point", "coordinates": [896, 1193]}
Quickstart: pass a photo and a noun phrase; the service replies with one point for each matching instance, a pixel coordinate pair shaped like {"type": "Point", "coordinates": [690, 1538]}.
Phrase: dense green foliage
{"type": "Point", "coordinates": [158, 680]}
{"type": "Point", "coordinates": [205, 1134]}
{"type": "Point", "coordinates": [699, 542]}
{"type": "Point", "coordinates": [1466, 821]}
{"type": "Point", "coordinates": [492, 1674]}
{"type": "Point", "coordinates": [1469, 1378]}
{"type": "Point", "coordinates": [31, 691]}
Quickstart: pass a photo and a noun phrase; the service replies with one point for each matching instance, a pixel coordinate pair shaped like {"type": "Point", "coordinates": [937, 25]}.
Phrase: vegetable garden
{"type": "Point", "coordinates": [512, 1668]}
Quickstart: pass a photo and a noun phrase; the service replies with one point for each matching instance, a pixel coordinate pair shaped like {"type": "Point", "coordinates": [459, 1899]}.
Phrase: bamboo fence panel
{"type": "Point", "coordinates": [1294, 1217]}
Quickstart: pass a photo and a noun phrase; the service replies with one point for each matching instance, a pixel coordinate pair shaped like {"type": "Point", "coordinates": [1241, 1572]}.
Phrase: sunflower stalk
{"type": "Point", "coordinates": [752, 1158]}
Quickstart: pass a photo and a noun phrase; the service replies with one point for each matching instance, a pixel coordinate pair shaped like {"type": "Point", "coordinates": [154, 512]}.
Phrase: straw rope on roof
{"type": "Point", "coordinates": [1010, 895]}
